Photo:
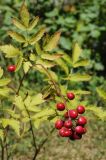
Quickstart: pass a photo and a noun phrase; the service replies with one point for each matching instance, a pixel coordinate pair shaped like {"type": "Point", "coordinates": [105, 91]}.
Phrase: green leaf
{"type": "Point", "coordinates": [18, 37]}
{"type": "Point", "coordinates": [63, 65]}
{"type": "Point", "coordinates": [4, 81]}
{"type": "Point", "coordinates": [1, 134]}
{"type": "Point", "coordinates": [4, 92]}
{"type": "Point", "coordinates": [98, 111]}
{"type": "Point", "coordinates": [38, 122]}
{"type": "Point", "coordinates": [27, 66]}
{"type": "Point", "coordinates": [37, 37]}
{"type": "Point", "coordinates": [101, 93]}
{"type": "Point", "coordinates": [46, 64]}
{"type": "Point", "coordinates": [38, 49]}
{"type": "Point", "coordinates": [76, 53]}
{"type": "Point", "coordinates": [32, 57]}
{"type": "Point", "coordinates": [19, 63]}
{"type": "Point", "coordinates": [51, 57]}
{"type": "Point", "coordinates": [81, 63]}
{"type": "Point", "coordinates": [24, 14]}
{"type": "Point", "coordinates": [10, 51]}
{"type": "Point", "coordinates": [33, 23]}
{"type": "Point", "coordinates": [11, 112]}
{"type": "Point", "coordinates": [67, 58]}
{"type": "Point", "coordinates": [52, 42]}
{"type": "Point", "coordinates": [78, 77]}
{"type": "Point", "coordinates": [19, 102]}
{"type": "Point", "coordinates": [44, 113]}
{"type": "Point", "coordinates": [12, 123]}
{"type": "Point", "coordinates": [80, 92]}
{"type": "Point", "coordinates": [65, 42]}
{"type": "Point", "coordinates": [37, 99]}
{"type": "Point", "coordinates": [18, 24]}
{"type": "Point", "coordinates": [1, 72]}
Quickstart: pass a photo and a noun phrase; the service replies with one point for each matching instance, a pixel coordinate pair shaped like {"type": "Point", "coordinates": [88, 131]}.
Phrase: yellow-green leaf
{"type": "Point", "coordinates": [98, 111]}
{"type": "Point", "coordinates": [19, 63]}
{"type": "Point", "coordinates": [78, 77]}
{"type": "Point", "coordinates": [81, 63]}
{"type": "Point", "coordinates": [37, 99]}
{"type": "Point", "coordinates": [101, 93]}
{"type": "Point", "coordinates": [76, 53]}
{"type": "Point", "coordinates": [12, 123]}
{"type": "Point", "coordinates": [38, 48]}
{"type": "Point", "coordinates": [4, 81]}
{"type": "Point", "coordinates": [19, 102]}
{"type": "Point", "coordinates": [10, 51]}
{"type": "Point", "coordinates": [80, 92]}
{"type": "Point", "coordinates": [32, 57]}
{"type": "Point", "coordinates": [1, 134]}
{"type": "Point", "coordinates": [18, 24]}
{"type": "Point", "coordinates": [45, 63]}
{"type": "Point", "coordinates": [4, 92]}
{"type": "Point", "coordinates": [52, 42]}
{"type": "Point", "coordinates": [1, 72]}
{"type": "Point", "coordinates": [33, 23]}
{"type": "Point", "coordinates": [18, 37]}
{"type": "Point", "coordinates": [62, 65]}
{"type": "Point", "coordinates": [44, 113]}
{"type": "Point", "coordinates": [67, 58]}
{"type": "Point", "coordinates": [37, 37]}
{"type": "Point", "coordinates": [24, 14]}
{"type": "Point", "coordinates": [51, 57]}
{"type": "Point", "coordinates": [27, 66]}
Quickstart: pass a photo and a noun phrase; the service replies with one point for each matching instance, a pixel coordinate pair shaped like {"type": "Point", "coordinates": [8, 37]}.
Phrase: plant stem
{"type": "Point", "coordinates": [42, 144]}
{"type": "Point", "coordinates": [2, 151]}
{"type": "Point", "coordinates": [31, 127]}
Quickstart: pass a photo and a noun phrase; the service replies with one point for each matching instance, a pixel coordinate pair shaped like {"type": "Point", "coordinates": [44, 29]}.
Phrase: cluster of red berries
{"type": "Point", "coordinates": [11, 68]}
{"type": "Point", "coordinates": [73, 124]}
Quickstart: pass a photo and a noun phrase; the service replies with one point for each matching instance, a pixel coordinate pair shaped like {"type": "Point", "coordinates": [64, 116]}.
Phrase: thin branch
{"type": "Point", "coordinates": [42, 144]}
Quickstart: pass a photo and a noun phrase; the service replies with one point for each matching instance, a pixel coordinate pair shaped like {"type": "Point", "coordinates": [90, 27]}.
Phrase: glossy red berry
{"type": "Point", "coordinates": [62, 132]}
{"type": "Point", "coordinates": [60, 106]}
{"type": "Point", "coordinates": [59, 124]}
{"type": "Point", "coordinates": [66, 115]}
{"type": "Point", "coordinates": [68, 124]}
{"type": "Point", "coordinates": [70, 95]}
{"type": "Point", "coordinates": [79, 130]}
{"type": "Point", "coordinates": [85, 130]}
{"type": "Point", "coordinates": [81, 109]}
{"type": "Point", "coordinates": [73, 113]}
{"type": "Point", "coordinates": [11, 68]}
{"type": "Point", "coordinates": [76, 136]}
{"type": "Point", "coordinates": [67, 133]}
{"type": "Point", "coordinates": [81, 121]}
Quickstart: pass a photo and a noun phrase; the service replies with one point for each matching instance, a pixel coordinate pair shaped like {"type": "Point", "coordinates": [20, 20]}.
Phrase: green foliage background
{"type": "Point", "coordinates": [82, 21]}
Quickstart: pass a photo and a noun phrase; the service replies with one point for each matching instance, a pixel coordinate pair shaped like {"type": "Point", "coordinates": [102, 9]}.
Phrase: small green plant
{"type": "Point", "coordinates": [23, 109]}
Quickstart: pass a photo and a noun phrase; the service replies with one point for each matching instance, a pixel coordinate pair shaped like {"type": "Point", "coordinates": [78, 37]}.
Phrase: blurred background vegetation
{"type": "Point", "coordinates": [83, 21]}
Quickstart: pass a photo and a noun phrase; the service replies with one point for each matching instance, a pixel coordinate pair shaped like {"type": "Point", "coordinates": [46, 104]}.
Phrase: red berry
{"type": "Point", "coordinates": [81, 121]}
{"type": "Point", "coordinates": [68, 124]}
{"type": "Point", "coordinates": [66, 115]}
{"type": "Point", "coordinates": [80, 109]}
{"type": "Point", "coordinates": [75, 136]}
{"type": "Point", "coordinates": [60, 106]}
{"type": "Point", "coordinates": [59, 124]}
{"type": "Point", "coordinates": [73, 113]}
{"type": "Point", "coordinates": [67, 133]}
{"type": "Point", "coordinates": [85, 130]}
{"type": "Point", "coordinates": [79, 130]}
{"type": "Point", "coordinates": [70, 95]}
{"type": "Point", "coordinates": [62, 132]}
{"type": "Point", "coordinates": [11, 68]}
